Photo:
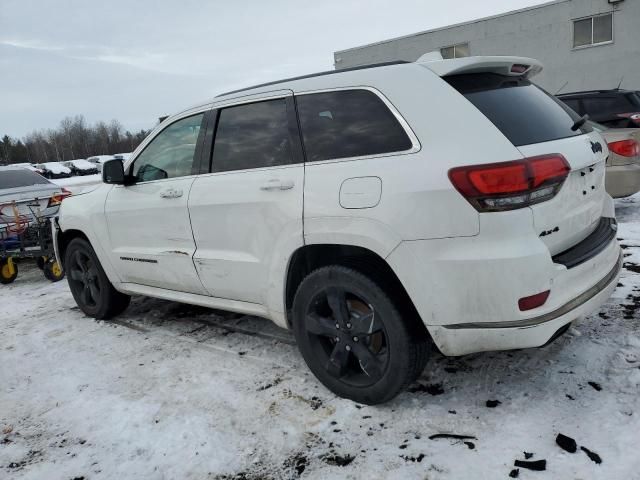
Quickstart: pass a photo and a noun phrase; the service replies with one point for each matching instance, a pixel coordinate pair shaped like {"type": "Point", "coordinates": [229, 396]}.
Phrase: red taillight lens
{"type": "Point", "coordinates": [534, 301]}
{"type": "Point", "coordinates": [511, 185]}
{"type": "Point", "coordinates": [59, 197]}
{"type": "Point", "coordinates": [625, 148]}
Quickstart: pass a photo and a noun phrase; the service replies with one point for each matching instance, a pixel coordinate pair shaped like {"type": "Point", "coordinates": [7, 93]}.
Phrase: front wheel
{"type": "Point", "coordinates": [353, 338]}
{"type": "Point", "coordinates": [89, 285]}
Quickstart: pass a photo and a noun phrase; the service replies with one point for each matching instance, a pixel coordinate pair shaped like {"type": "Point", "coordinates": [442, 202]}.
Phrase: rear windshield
{"type": "Point", "coordinates": [20, 178]}
{"type": "Point", "coordinates": [522, 111]}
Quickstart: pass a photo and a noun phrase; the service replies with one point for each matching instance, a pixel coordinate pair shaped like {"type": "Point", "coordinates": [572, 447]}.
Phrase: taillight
{"type": "Point", "coordinates": [58, 198]}
{"type": "Point", "coordinates": [625, 148]}
{"type": "Point", "coordinates": [511, 185]}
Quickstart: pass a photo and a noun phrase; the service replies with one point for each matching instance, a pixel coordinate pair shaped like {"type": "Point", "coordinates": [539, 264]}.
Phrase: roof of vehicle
{"type": "Point", "coordinates": [356, 75]}
{"type": "Point", "coordinates": [595, 92]}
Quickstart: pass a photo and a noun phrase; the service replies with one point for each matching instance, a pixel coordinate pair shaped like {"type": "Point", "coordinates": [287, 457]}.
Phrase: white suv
{"type": "Point", "coordinates": [375, 211]}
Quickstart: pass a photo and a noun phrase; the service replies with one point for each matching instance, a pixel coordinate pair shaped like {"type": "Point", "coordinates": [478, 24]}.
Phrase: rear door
{"type": "Point", "coordinates": [539, 124]}
{"type": "Point", "coordinates": [246, 214]}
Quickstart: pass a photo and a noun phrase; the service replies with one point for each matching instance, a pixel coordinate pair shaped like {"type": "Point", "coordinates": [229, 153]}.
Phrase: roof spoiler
{"type": "Point", "coordinates": [503, 65]}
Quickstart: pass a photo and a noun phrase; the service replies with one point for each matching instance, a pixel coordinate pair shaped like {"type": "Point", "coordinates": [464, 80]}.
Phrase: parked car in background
{"type": "Point", "coordinates": [29, 166]}
{"type": "Point", "coordinates": [54, 170]}
{"type": "Point", "coordinates": [23, 191]}
{"type": "Point", "coordinates": [623, 165]}
{"type": "Point", "coordinates": [612, 108]}
{"type": "Point", "coordinates": [408, 236]}
{"type": "Point", "coordinates": [81, 167]}
{"type": "Point", "coordinates": [98, 160]}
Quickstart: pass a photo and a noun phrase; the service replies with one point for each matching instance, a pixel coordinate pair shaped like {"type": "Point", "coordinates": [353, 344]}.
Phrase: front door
{"type": "Point", "coordinates": [149, 229]}
{"type": "Point", "coordinates": [247, 214]}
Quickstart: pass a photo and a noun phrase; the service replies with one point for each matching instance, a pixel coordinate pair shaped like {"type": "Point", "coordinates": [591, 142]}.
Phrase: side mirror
{"type": "Point", "coordinates": [113, 172]}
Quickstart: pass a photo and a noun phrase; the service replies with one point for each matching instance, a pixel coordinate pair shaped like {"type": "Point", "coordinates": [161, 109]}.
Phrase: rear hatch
{"type": "Point", "coordinates": [538, 124]}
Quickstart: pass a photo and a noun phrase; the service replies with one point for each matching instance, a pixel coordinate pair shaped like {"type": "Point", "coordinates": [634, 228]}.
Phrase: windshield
{"type": "Point", "coordinates": [20, 178]}
{"type": "Point", "coordinates": [522, 111]}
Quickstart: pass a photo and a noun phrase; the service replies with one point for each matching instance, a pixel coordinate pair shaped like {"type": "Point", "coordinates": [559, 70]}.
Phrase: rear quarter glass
{"type": "Point", "coordinates": [522, 111]}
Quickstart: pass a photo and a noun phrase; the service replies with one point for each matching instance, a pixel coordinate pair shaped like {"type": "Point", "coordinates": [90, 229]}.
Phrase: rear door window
{"type": "Point", "coordinates": [20, 178]}
{"type": "Point", "coordinates": [253, 135]}
{"type": "Point", "coordinates": [522, 111]}
{"type": "Point", "coordinates": [348, 123]}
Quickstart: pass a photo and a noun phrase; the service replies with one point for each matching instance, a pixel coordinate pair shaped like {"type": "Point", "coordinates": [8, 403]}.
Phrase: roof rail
{"type": "Point", "coordinates": [319, 74]}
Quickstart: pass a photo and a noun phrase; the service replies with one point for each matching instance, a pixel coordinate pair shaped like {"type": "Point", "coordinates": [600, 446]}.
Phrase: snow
{"type": "Point", "coordinates": [56, 167]}
{"type": "Point", "coordinates": [165, 392]}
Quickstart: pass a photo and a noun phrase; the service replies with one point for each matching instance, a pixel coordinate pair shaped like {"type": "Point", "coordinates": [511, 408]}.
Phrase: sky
{"type": "Point", "coordinates": [137, 60]}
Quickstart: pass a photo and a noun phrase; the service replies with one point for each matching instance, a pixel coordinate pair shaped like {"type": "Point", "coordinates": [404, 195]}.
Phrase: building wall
{"type": "Point", "coordinates": [544, 32]}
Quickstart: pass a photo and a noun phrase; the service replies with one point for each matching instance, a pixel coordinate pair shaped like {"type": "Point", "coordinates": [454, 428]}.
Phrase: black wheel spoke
{"type": "Point", "coordinates": [337, 363]}
{"type": "Point", "coordinates": [338, 305]}
{"type": "Point", "coordinates": [94, 291]}
{"type": "Point", "coordinates": [92, 273]}
{"type": "Point", "coordinates": [371, 365]}
{"type": "Point", "coordinates": [86, 295]}
{"type": "Point", "coordinates": [322, 326]}
{"type": "Point", "coordinates": [76, 275]}
{"type": "Point", "coordinates": [366, 324]}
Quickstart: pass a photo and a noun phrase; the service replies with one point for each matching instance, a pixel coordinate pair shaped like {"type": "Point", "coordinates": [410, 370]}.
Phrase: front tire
{"type": "Point", "coordinates": [89, 285]}
{"type": "Point", "coordinates": [353, 338]}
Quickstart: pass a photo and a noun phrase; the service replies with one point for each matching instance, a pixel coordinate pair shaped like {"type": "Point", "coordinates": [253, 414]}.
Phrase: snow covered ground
{"type": "Point", "coordinates": [177, 392]}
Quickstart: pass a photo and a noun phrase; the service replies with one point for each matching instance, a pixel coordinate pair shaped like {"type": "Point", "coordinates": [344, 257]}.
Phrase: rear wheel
{"type": "Point", "coordinates": [8, 271]}
{"type": "Point", "coordinates": [89, 285]}
{"type": "Point", "coordinates": [353, 338]}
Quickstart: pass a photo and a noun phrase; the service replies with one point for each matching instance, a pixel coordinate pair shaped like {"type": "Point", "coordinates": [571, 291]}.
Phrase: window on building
{"type": "Point", "coordinates": [593, 30]}
{"type": "Point", "coordinates": [254, 135]}
{"type": "Point", "coordinates": [348, 123]}
{"type": "Point", "coordinates": [460, 50]}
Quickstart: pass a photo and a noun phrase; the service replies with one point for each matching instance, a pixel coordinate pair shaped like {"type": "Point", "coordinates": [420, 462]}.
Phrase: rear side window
{"type": "Point", "coordinates": [253, 135]}
{"type": "Point", "coordinates": [20, 178]}
{"type": "Point", "coordinates": [523, 112]}
{"type": "Point", "coordinates": [348, 123]}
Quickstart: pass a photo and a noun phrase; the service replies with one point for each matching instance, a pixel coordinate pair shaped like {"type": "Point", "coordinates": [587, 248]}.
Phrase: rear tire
{"type": "Point", "coordinates": [89, 285]}
{"type": "Point", "coordinates": [367, 351]}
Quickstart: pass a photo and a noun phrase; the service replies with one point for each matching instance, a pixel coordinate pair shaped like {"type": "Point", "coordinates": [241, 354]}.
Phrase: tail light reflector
{"type": "Point", "coordinates": [625, 148]}
{"type": "Point", "coordinates": [534, 301]}
{"type": "Point", "coordinates": [58, 197]}
{"type": "Point", "coordinates": [511, 185]}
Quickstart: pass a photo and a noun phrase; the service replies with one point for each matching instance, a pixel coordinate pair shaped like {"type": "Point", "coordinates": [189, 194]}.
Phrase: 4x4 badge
{"type": "Point", "coordinates": [596, 147]}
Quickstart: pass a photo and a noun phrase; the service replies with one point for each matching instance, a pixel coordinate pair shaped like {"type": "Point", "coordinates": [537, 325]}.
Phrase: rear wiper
{"type": "Point", "coordinates": [580, 122]}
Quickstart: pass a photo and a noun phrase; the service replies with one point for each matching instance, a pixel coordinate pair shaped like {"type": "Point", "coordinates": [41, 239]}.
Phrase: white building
{"type": "Point", "coordinates": [584, 44]}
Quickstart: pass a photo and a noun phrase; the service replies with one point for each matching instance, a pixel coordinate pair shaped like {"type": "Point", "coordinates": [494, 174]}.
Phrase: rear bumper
{"type": "Point", "coordinates": [466, 290]}
{"type": "Point", "coordinates": [623, 181]}
{"type": "Point", "coordinates": [460, 339]}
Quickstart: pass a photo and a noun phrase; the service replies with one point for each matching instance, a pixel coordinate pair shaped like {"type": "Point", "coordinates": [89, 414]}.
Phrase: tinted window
{"type": "Point", "coordinates": [573, 104]}
{"type": "Point", "coordinates": [20, 178]}
{"type": "Point", "coordinates": [171, 153]}
{"type": "Point", "coordinates": [254, 135]}
{"type": "Point", "coordinates": [348, 123]}
{"type": "Point", "coordinates": [523, 112]}
{"type": "Point", "coordinates": [603, 107]}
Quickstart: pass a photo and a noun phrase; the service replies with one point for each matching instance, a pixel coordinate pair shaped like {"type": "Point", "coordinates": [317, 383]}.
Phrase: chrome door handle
{"type": "Point", "coordinates": [276, 184]}
{"type": "Point", "coordinates": [171, 193]}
